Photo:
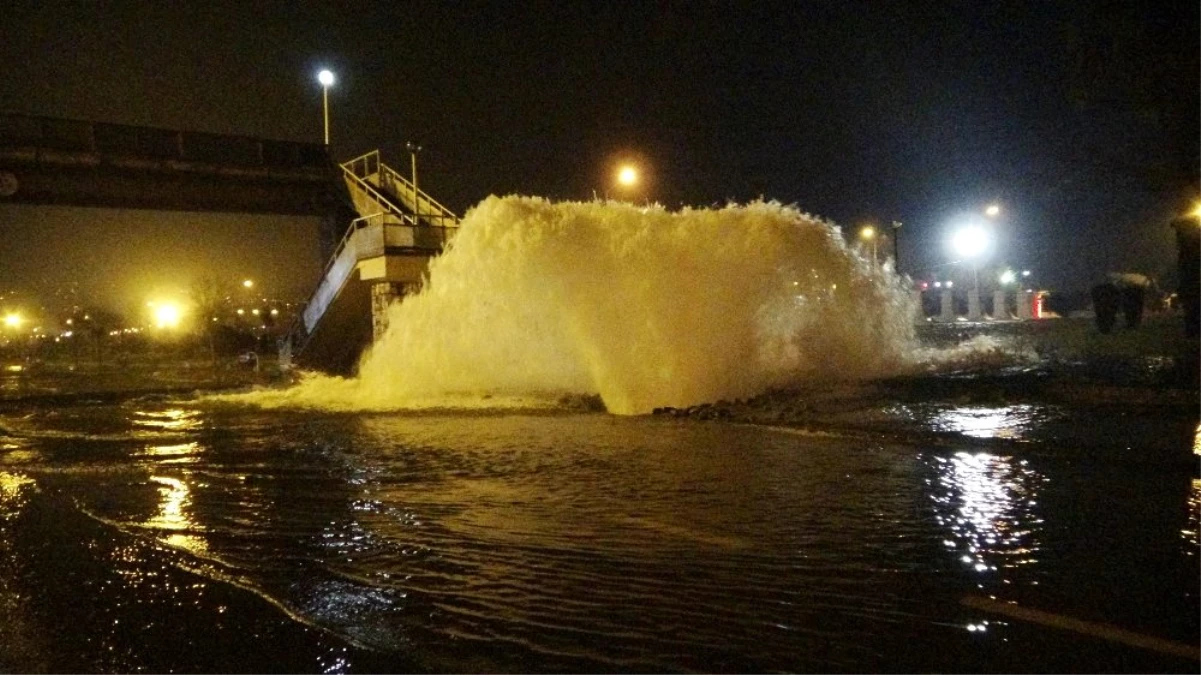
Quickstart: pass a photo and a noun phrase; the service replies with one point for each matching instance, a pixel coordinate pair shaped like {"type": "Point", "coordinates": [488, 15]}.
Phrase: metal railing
{"type": "Point", "coordinates": [386, 229]}
{"type": "Point", "coordinates": [45, 135]}
{"type": "Point", "coordinates": [371, 169]}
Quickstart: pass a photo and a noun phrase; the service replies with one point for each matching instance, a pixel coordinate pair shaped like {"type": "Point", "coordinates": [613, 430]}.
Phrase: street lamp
{"type": "Point", "coordinates": [896, 246]}
{"type": "Point", "coordinates": [627, 176]}
{"type": "Point", "coordinates": [971, 242]}
{"type": "Point", "coordinates": [326, 78]}
{"type": "Point", "coordinates": [992, 210]}
{"type": "Point", "coordinates": [413, 150]}
{"type": "Point", "coordinates": [868, 234]}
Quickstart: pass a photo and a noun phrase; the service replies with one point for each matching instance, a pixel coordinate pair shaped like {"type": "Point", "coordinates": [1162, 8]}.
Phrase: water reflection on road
{"type": "Point", "coordinates": [988, 505]}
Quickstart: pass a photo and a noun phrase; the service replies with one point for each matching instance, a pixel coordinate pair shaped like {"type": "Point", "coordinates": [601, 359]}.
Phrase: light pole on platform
{"type": "Point", "coordinates": [868, 234]}
{"type": "Point", "coordinates": [896, 246]}
{"type": "Point", "coordinates": [326, 78]}
{"type": "Point", "coordinates": [413, 150]}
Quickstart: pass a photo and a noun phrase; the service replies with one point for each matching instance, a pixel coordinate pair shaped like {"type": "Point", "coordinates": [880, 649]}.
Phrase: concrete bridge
{"type": "Point", "coordinates": [378, 229]}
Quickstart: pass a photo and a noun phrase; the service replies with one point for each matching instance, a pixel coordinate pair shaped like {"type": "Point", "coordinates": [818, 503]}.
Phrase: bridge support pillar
{"type": "Point", "coordinates": [383, 294]}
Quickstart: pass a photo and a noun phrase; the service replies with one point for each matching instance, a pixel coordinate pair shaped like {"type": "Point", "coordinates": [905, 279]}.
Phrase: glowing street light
{"type": "Point", "coordinates": [992, 210]}
{"type": "Point", "coordinates": [1008, 277]}
{"type": "Point", "coordinates": [248, 283]}
{"type": "Point", "coordinates": [13, 320]}
{"type": "Point", "coordinates": [326, 78]}
{"type": "Point", "coordinates": [868, 234]}
{"type": "Point", "coordinates": [167, 315]}
{"type": "Point", "coordinates": [627, 176]}
{"type": "Point", "coordinates": [970, 241]}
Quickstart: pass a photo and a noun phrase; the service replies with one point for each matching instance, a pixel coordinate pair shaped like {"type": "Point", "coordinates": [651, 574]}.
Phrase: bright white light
{"type": "Point", "coordinates": [326, 78]}
{"type": "Point", "coordinates": [1008, 277]}
{"type": "Point", "coordinates": [970, 241]}
{"type": "Point", "coordinates": [167, 315]}
{"type": "Point", "coordinates": [627, 176]}
{"type": "Point", "coordinates": [992, 210]}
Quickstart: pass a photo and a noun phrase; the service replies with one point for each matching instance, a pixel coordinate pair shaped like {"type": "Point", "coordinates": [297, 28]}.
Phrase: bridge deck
{"type": "Point", "coordinates": [45, 160]}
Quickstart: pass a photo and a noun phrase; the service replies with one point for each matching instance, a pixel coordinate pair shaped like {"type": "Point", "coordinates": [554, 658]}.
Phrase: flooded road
{"type": "Point", "coordinates": [169, 534]}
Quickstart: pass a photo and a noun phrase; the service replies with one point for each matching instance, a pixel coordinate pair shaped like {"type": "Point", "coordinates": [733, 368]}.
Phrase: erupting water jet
{"type": "Point", "coordinates": [644, 306]}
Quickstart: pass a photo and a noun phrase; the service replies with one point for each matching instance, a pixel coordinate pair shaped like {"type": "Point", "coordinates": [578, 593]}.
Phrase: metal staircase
{"type": "Point", "coordinates": [399, 228]}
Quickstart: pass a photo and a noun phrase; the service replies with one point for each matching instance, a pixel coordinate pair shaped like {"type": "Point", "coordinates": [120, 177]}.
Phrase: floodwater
{"type": "Point", "coordinates": [162, 534]}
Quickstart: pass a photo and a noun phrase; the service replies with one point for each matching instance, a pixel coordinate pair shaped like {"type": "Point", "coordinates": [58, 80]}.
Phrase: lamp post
{"type": "Point", "coordinates": [413, 150]}
{"type": "Point", "coordinates": [326, 78]}
{"type": "Point", "coordinates": [868, 234]}
{"type": "Point", "coordinates": [970, 242]}
{"type": "Point", "coordinates": [896, 246]}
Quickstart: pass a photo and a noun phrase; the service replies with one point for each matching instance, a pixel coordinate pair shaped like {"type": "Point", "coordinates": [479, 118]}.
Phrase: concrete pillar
{"type": "Point", "coordinates": [973, 304]}
{"type": "Point", "coordinates": [948, 307]}
{"type": "Point", "coordinates": [1000, 311]}
{"type": "Point", "coordinates": [383, 294]}
{"type": "Point", "coordinates": [1025, 300]}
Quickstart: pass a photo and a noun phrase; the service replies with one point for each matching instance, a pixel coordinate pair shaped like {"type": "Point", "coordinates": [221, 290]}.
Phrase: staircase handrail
{"type": "Point", "coordinates": [438, 211]}
{"type": "Point", "coordinates": [378, 196]}
{"type": "Point", "coordinates": [366, 160]}
{"type": "Point", "coordinates": [370, 163]}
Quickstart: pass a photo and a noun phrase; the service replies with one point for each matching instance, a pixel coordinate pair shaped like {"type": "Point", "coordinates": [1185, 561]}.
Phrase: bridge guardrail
{"type": "Point", "coordinates": [122, 140]}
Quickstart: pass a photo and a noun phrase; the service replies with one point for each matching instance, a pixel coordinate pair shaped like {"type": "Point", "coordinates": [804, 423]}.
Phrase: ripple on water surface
{"type": "Point", "coordinates": [590, 542]}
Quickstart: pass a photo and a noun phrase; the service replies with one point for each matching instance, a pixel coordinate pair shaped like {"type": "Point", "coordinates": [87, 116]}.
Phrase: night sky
{"type": "Point", "coordinates": [1080, 118]}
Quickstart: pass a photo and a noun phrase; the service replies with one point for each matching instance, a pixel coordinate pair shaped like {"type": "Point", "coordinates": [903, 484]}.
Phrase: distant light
{"type": "Point", "coordinates": [970, 241]}
{"type": "Point", "coordinates": [627, 176]}
{"type": "Point", "coordinates": [275, 312]}
{"type": "Point", "coordinates": [949, 284]}
{"type": "Point", "coordinates": [867, 232]}
{"type": "Point", "coordinates": [13, 320]}
{"type": "Point", "coordinates": [1196, 211]}
{"type": "Point", "coordinates": [254, 312]}
{"type": "Point", "coordinates": [248, 284]}
{"type": "Point", "coordinates": [992, 211]}
{"type": "Point", "coordinates": [1008, 277]}
{"type": "Point", "coordinates": [167, 315]}
{"type": "Point", "coordinates": [241, 312]}
{"type": "Point", "coordinates": [938, 284]}
{"type": "Point", "coordinates": [326, 78]}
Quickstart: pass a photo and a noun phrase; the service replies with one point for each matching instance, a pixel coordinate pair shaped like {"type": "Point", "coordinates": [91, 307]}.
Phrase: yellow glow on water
{"type": "Point", "coordinates": [12, 484]}
{"type": "Point", "coordinates": [174, 419]}
{"type": "Point", "coordinates": [172, 512]}
{"type": "Point", "coordinates": [1192, 531]}
{"type": "Point", "coordinates": [1197, 440]}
